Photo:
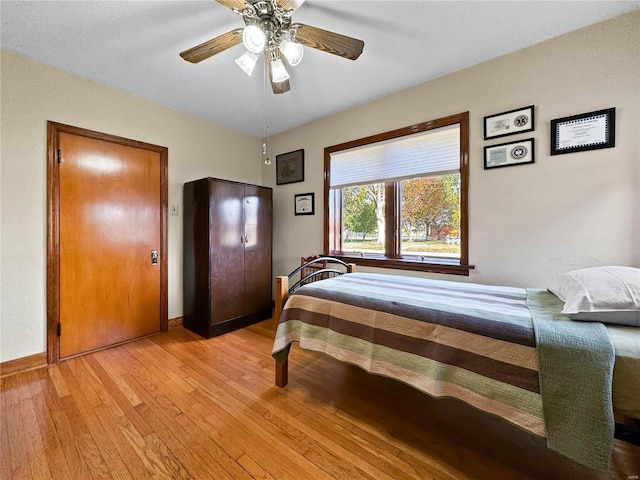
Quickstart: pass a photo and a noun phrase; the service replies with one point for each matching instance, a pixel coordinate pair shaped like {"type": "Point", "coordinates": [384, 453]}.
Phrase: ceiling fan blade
{"type": "Point", "coordinates": [213, 46]}
{"type": "Point", "coordinates": [327, 41]}
{"type": "Point", "coordinates": [280, 87]}
{"type": "Point", "coordinates": [290, 4]}
{"type": "Point", "coordinates": [232, 4]}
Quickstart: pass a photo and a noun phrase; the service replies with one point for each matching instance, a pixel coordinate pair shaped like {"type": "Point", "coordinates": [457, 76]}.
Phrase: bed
{"type": "Point", "coordinates": [500, 349]}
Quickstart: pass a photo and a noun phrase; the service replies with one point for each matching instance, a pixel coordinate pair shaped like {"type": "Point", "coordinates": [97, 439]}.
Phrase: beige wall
{"type": "Point", "coordinates": [528, 222]}
{"type": "Point", "coordinates": [31, 94]}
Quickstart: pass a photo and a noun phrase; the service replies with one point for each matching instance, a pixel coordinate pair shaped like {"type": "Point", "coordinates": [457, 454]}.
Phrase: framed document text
{"type": "Point", "coordinates": [509, 154]}
{"type": "Point", "coordinates": [587, 131]}
{"type": "Point", "coordinates": [304, 203]}
{"type": "Point", "coordinates": [515, 121]}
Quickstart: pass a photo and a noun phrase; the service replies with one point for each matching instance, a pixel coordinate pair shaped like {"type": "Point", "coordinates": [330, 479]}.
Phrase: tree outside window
{"type": "Point", "coordinates": [399, 199]}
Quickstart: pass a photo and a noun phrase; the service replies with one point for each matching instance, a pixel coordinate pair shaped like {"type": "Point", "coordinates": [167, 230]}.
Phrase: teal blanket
{"type": "Point", "coordinates": [576, 369]}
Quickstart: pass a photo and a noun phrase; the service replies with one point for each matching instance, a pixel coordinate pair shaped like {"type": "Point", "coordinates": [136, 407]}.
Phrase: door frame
{"type": "Point", "coordinates": [54, 130]}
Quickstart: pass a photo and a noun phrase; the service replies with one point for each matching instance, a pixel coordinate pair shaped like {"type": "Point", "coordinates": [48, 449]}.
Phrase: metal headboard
{"type": "Point", "coordinates": [318, 272]}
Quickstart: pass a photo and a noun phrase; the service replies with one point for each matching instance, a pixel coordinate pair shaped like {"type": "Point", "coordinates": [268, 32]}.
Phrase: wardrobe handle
{"type": "Point", "coordinates": [246, 239]}
{"type": "Point", "coordinates": [241, 238]}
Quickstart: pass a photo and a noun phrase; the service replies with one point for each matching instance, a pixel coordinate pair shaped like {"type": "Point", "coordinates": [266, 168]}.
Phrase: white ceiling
{"type": "Point", "coordinates": [134, 46]}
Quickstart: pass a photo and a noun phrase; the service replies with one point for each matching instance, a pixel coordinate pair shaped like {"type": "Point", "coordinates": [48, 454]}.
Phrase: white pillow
{"type": "Point", "coordinates": [600, 294]}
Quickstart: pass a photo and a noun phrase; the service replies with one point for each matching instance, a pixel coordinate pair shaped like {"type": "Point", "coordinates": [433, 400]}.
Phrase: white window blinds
{"type": "Point", "coordinates": [430, 153]}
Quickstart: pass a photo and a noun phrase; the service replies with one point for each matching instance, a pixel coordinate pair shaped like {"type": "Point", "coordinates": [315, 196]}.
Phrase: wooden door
{"type": "Point", "coordinates": [227, 250]}
{"type": "Point", "coordinates": [258, 220]}
{"type": "Point", "coordinates": [111, 212]}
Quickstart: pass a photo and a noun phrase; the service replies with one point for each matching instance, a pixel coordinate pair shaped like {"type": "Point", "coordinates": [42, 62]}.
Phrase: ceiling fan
{"type": "Point", "coordinates": [268, 29]}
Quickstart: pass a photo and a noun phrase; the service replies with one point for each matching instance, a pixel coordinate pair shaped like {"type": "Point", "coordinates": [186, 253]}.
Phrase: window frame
{"type": "Point", "coordinates": [392, 206]}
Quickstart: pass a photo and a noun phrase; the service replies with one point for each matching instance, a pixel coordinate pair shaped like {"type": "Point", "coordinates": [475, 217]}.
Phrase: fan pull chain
{"type": "Point", "coordinates": [265, 121]}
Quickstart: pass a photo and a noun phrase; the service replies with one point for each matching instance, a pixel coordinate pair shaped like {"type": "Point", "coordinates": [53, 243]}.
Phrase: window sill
{"type": "Point", "coordinates": [433, 265]}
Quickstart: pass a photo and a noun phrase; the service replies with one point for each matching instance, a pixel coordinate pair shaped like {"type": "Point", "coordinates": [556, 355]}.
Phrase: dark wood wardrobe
{"type": "Point", "coordinates": [227, 255]}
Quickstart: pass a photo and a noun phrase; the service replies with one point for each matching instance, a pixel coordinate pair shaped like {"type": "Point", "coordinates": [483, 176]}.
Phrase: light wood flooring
{"type": "Point", "coordinates": [177, 406]}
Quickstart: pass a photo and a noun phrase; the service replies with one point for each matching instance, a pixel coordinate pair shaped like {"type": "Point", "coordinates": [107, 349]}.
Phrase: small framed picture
{"type": "Point", "coordinates": [509, 154]}
{"type": "Point", "coordinates": [290, 167]}
{"type": "Point", "coordinates": [587, 131]}
{"type": "Point", "coordinates": [515, 121]}
{"type": "Point", "coordinates": [304, 203]}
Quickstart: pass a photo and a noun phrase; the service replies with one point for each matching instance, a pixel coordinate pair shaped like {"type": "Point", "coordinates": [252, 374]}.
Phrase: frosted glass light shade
{"type": "Point", "coordinates": [292, 51]}
{"type": "Point", "coordinates": [278, 73]}
{"type": "Point", "coordinates": [254, 39]}
{"type": "Point", "coordinates": [247, 62]}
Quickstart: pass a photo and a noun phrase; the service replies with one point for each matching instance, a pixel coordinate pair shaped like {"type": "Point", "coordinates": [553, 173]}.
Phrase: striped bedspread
{"type": "Point", "coordinates": [472, 342]}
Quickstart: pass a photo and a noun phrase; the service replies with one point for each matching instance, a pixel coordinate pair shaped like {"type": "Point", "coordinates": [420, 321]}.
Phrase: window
{"type": "Point", "coordinates": [399, 199]}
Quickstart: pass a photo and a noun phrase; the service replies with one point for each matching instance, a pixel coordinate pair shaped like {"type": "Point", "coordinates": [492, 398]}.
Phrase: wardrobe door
{"type": "Point", "coordinates": [227, 254]}
{"type": "Point", "coordinates": [258, 220]}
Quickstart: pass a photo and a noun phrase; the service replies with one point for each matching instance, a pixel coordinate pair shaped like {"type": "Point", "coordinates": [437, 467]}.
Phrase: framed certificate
{"type": "Point", "coordinates": [515, 121]}
{"type": "Point", "coordinates": [587, 131]}
{"type": "Point", "coordinates": [304, 203]}
{"type": "Point", "coordinates": [509, 154]}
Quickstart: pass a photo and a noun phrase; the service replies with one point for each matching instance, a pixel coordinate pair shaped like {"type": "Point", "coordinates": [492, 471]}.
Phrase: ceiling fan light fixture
{"type": "Point", "coordinates": [292, 51]}
{"type": "Point", "coordinates": [254, 39]}
{"type": "Point", "coordinates": [269, 30]}
{"type": "Point", "coordinates": [247, 62]}
{"type": "Point", "coordinates": [279, 74]}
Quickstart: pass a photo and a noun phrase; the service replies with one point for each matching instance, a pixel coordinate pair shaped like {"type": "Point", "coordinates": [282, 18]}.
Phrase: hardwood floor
{"type": "Point", "coordinates": [177, 406]}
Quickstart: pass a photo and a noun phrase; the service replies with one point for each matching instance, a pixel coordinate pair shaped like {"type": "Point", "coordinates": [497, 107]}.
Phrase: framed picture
{"type": "Point", "coordinates": [509, 154]}
{"type": "Point", "coordinates": [290, 167]}
{"type": "Point", "coordinates": [515, 121]}
{"type": "Point", "coordinates": [304, 203]}
{"type": "Point", "coordinates": [587, 131]}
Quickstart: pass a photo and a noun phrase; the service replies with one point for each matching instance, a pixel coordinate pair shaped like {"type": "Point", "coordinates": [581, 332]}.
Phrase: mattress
{"type": "Point", "coordinates": [475, 343]}
{"type": "Point", "coordinates": [626, 371]}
